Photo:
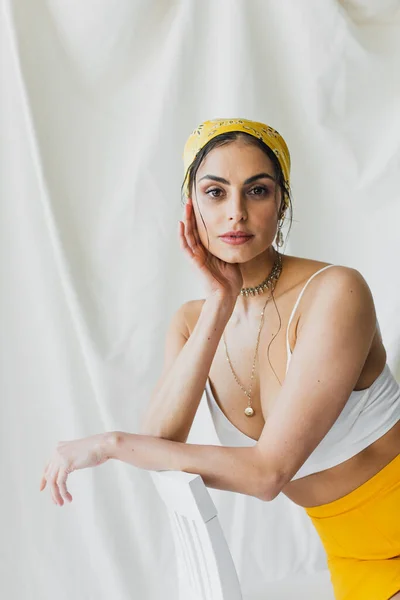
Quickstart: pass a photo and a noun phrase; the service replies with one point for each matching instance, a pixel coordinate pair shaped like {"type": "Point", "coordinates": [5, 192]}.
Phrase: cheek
{"type": "Point", "coordinates": [266, 217]}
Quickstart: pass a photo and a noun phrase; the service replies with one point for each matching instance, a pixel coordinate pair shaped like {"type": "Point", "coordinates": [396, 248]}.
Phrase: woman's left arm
{"type": "Point", "coordinates": [334, 337]}
{"type": "Point", "coordinates": [333, 341]}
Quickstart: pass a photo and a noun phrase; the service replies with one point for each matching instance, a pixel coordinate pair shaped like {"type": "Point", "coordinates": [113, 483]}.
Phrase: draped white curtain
{"type": "Point", "coordinates": [97, 99]}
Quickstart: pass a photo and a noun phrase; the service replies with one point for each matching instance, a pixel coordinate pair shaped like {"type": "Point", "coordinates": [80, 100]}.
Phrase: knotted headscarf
{"type": "Point", "coordinates": [210, 129]}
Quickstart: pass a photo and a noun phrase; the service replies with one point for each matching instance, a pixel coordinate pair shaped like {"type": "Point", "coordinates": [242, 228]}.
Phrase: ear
{"type": "Point", "coordinates": [282, 211]}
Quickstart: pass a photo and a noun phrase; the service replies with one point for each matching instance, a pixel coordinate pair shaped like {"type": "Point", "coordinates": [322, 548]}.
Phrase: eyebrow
{"type": "Point", "coordinates": [249, 180]}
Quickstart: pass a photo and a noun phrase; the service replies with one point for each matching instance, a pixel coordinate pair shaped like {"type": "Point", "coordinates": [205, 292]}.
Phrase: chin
{"type": "Point", "coordinates": [236, 254]}
{"type": "Point", "coordinates": [230, 260]}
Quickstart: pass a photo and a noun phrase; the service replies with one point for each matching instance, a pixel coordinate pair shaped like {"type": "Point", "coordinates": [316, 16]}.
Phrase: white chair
{"type": "Point", "coordinates": [205, 566]}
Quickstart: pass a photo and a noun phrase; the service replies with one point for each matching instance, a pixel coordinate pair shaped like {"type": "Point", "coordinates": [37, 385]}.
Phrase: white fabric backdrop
{"type": "Point", "coordinates": [97, 100]}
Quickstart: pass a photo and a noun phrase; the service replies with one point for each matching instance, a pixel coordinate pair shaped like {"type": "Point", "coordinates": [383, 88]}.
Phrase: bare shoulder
{"type": "Point", "coordinates": [340, 288]}
{"type": "Point", "coordinates": [331, 284]}
{"type": "Point", "coordinates": [301, 270]}
{"type": "Point", "coordinates": [331, 294]}
{"type": "Point", "coordinates": [339, 279]}
{"type": "Point", "coordinates": [339, 300]}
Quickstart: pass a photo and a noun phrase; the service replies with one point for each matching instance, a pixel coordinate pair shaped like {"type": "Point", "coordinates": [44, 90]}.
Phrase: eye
{"type": "Point", "coordinates": [262, 191]}
{"type": "Point", "coordinates": [211, 192]}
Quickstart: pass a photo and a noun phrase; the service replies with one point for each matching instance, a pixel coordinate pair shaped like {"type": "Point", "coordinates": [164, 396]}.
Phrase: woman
{"type": "Point", "coordinates": [325, 430]}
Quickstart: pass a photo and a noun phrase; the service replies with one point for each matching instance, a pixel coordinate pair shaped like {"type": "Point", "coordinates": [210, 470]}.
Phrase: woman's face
{"type": "Point", "coordinates": [236, 191]}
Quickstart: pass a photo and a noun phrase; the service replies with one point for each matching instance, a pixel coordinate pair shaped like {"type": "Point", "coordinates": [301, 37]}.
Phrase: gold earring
{"type": "Point", "coordinates": [279, 235]}
{"type": "Point", "coordinates": [279, 238]}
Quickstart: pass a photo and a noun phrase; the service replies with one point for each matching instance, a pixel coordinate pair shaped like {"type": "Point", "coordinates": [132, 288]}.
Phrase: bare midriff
{"type": "Point", "coordinates": [331, 484]}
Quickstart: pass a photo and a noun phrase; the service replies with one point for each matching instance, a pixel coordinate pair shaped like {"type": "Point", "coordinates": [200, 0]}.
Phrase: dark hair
{"type": "Point", "coordinates": [228, 137]}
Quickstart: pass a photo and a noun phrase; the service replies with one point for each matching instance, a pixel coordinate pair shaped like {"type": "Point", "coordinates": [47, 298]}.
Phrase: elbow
{"type": "Point", "coordinates": [150, 430]}
{"type": "Point", "coordinates": [270, 483]}
{"type": "Point", "coordinates": [151, 427]}
{"type": "Point", "coordinates": [151, 424]}
{"type": "Point", "coordinates": [268, 489]}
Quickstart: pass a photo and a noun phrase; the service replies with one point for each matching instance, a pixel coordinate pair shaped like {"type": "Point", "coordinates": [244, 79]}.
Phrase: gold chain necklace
{"type": "Point", "coordinates": [269, 282]}
{"type": "Point", "coordinates": [264, 285]}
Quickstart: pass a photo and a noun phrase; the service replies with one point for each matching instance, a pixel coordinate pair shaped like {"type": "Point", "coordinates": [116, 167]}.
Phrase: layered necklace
{"type": "Point", "coordinates": [268, 284]}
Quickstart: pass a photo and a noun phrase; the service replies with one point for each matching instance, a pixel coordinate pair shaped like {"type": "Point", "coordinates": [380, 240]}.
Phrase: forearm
{"type": "Point", "coordinates": [235, 469]}
{"type": "Point", "coordinates": [174, 405]}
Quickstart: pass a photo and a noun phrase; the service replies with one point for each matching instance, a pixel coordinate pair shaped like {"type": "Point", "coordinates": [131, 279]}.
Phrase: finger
{"type": "Point", "coordinates": [196, 233]}
{"type": "Point", "coordinates": [194, 227]}
{"type": "Point", "coordinates": [55, 492]}
{"type": "Point", "coordinates": [62, 484]}
{"type": "Point", "coordinates": [181, 232]}
{"type": "Point", "coordinates": [189, 243]}
{"type": "Point", "coordinates": [43, 481]}
{"type": "Point", "coordinates": [189, 226]}
{"type": "Point", "coordinates": [183, 240]}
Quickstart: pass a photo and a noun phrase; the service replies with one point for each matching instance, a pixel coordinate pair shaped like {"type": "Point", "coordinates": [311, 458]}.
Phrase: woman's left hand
{"type": "Point", "coordinates": [70, 456]}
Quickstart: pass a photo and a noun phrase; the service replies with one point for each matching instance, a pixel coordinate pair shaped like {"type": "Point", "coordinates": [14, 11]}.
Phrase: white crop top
{"type": "Point", "coordinates": [367, 415]}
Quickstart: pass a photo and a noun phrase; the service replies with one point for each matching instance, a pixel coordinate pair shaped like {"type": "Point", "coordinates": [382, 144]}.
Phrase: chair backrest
{"type": "Point", "coordinates": [205, 567]}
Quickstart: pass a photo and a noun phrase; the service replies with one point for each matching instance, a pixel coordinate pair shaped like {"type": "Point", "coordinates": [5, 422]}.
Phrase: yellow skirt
{"type": "Point", "coordinates": [361, 536]}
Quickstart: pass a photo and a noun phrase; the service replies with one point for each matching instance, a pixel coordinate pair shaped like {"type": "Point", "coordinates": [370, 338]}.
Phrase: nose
{"type": "Point", "coordinates": [237, 209]}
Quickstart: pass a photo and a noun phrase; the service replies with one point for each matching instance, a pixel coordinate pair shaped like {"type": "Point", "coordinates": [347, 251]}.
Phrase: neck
{"type": "Point", "coordinates": [254, 272]}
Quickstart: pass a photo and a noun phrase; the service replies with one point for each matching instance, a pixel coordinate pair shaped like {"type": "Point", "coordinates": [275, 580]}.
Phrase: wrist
{"type": "Point", "coordinates": [112, 441]}
{"type": "Point", "coordinates": [222, 301]}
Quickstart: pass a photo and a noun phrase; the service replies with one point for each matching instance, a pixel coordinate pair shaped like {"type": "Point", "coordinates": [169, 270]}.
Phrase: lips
{"type": "Point", "coordinates": [242, 235]}
{"type": "Point", "coordinates": [231, 234]}
{"type": "Point", "coordinates": [236, 238]}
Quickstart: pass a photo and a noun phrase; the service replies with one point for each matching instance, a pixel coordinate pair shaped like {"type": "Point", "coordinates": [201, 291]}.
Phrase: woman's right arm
{"type": "Point", "coordinates": [188, 357]}
{"type": "Point", "coordinates": [187, 362]}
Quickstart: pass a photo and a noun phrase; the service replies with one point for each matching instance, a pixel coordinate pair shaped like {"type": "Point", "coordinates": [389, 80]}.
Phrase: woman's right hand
{"type": "Point", "coordinates": [220, 278]}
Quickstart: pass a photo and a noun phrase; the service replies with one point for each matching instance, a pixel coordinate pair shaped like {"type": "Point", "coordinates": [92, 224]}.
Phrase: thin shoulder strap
{"type": "Point", "coordinates": [296, 305]}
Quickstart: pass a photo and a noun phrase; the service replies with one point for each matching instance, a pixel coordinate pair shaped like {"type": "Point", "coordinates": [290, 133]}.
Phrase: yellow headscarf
{"type": "Point", "coordinates": [210, 129]}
